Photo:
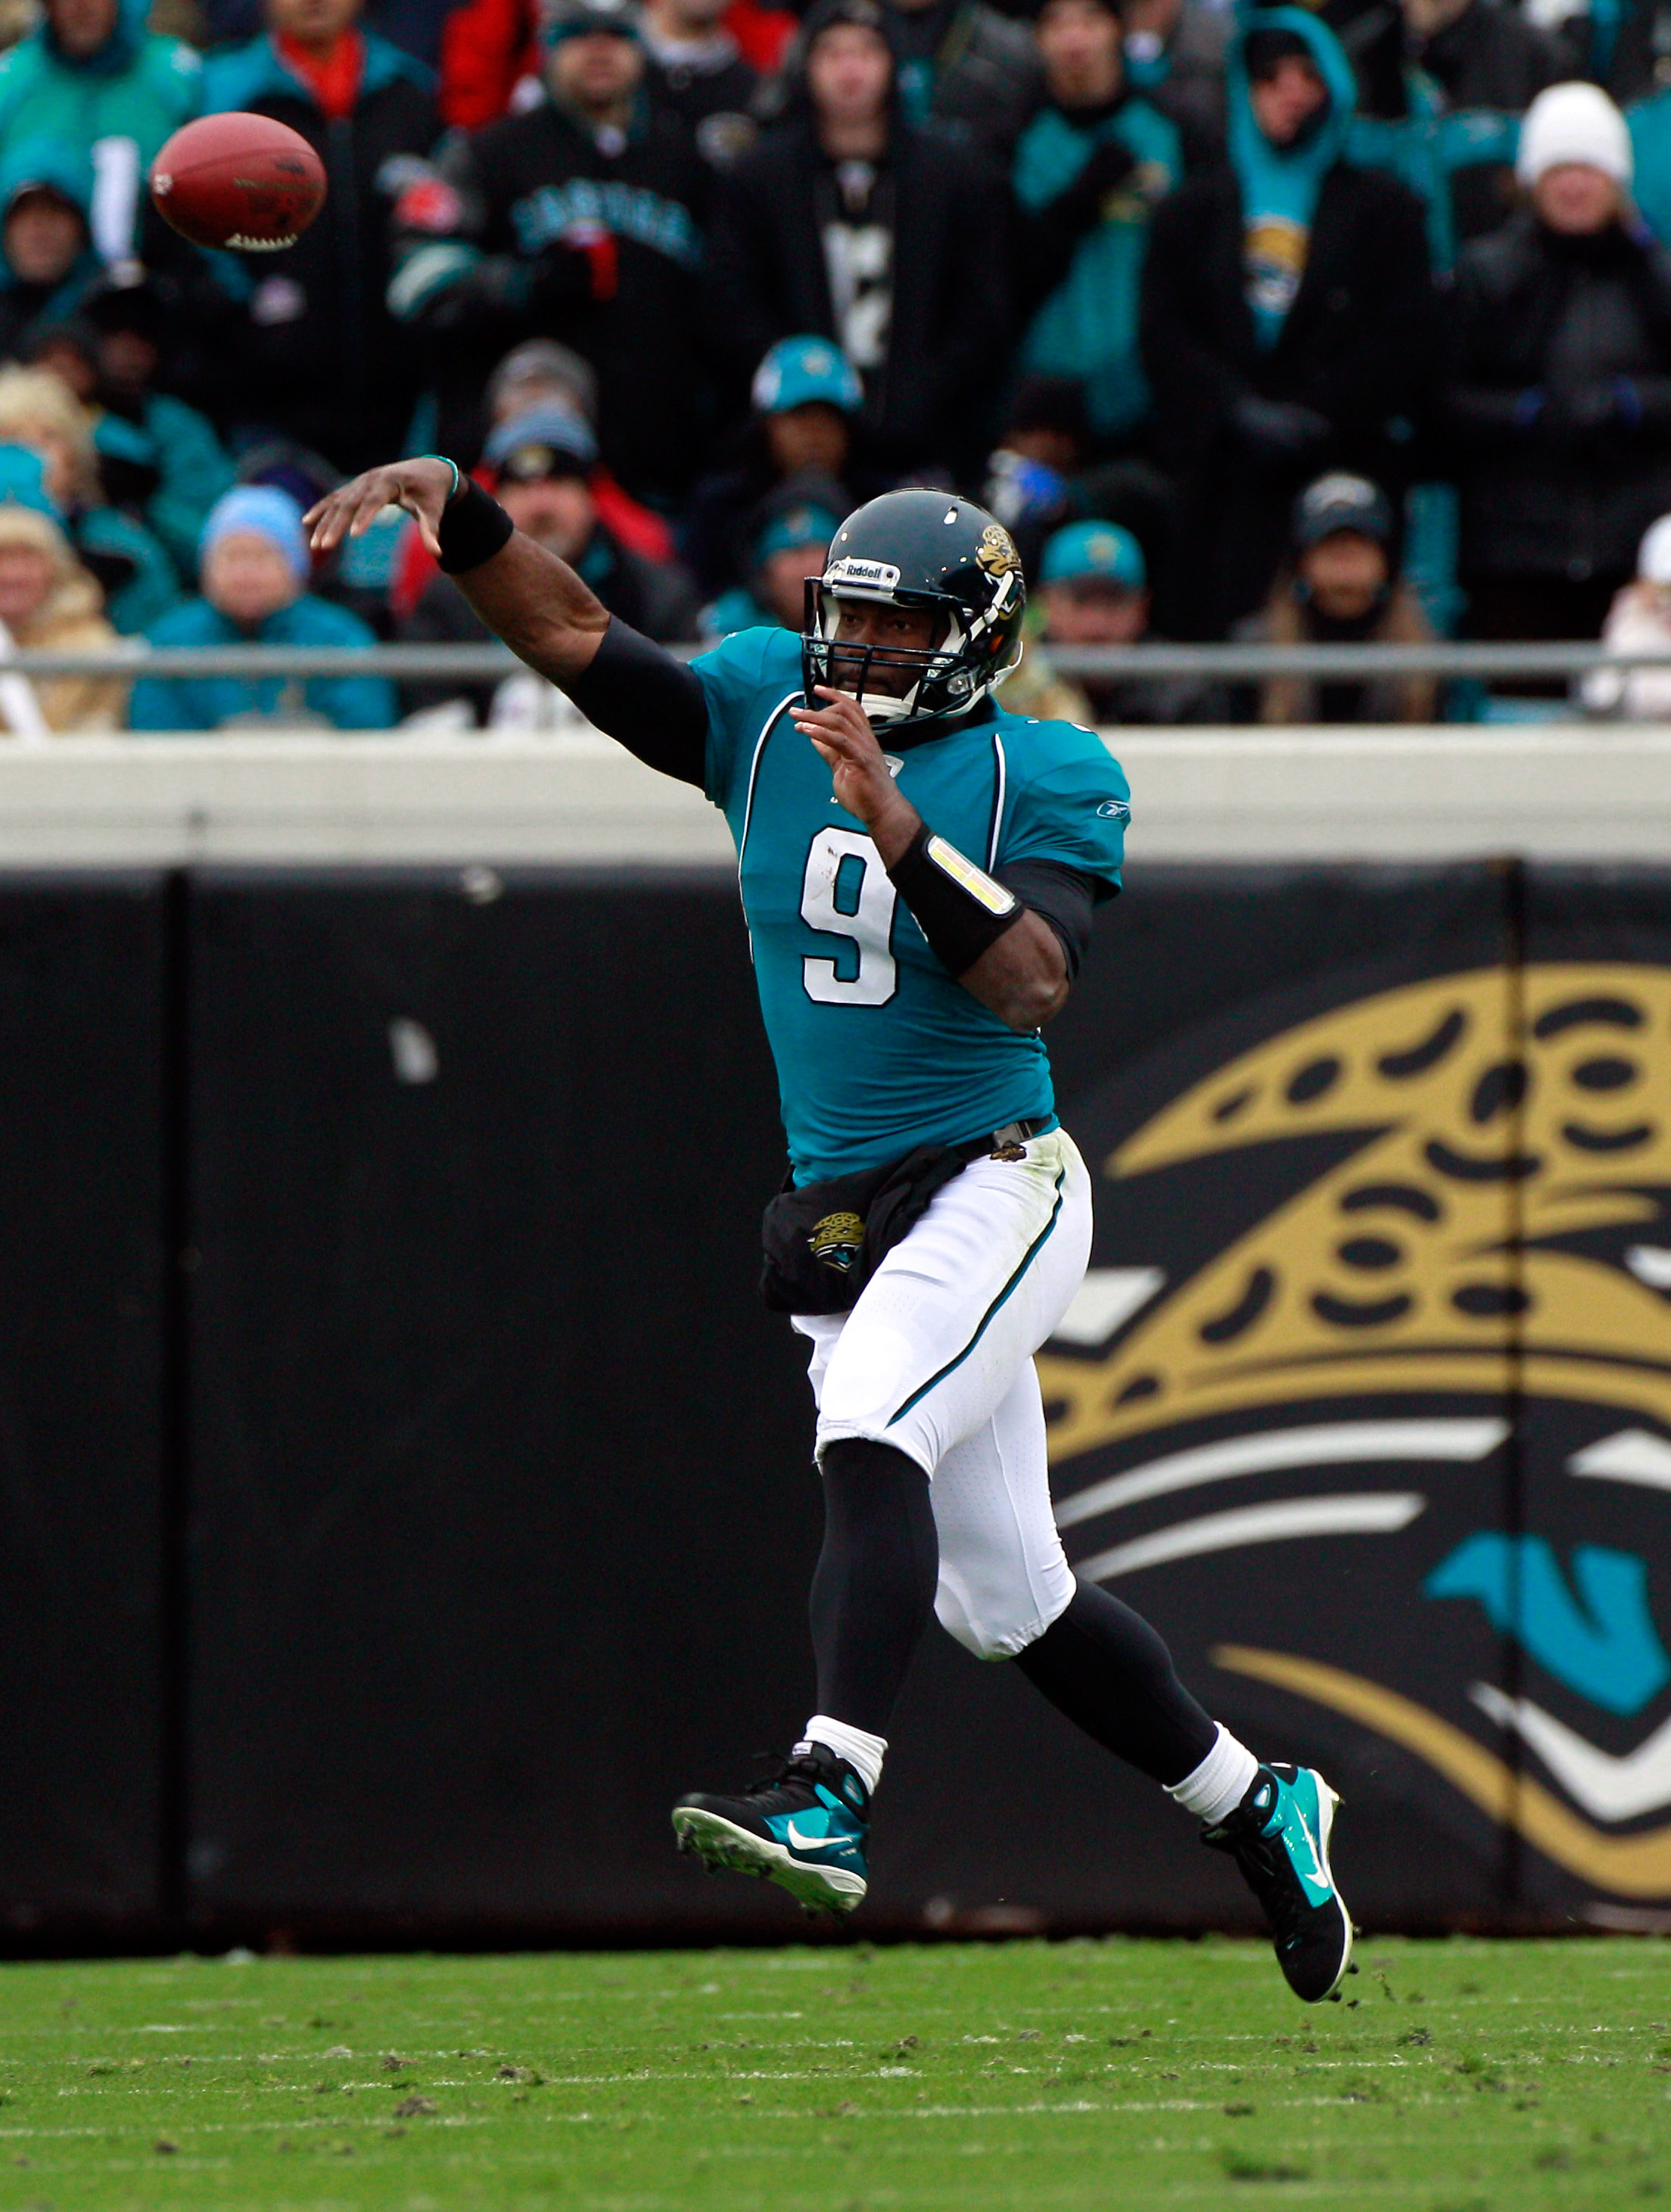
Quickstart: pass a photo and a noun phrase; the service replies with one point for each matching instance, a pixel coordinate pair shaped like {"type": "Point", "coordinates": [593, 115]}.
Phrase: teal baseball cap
{"type": "Point", "coordinates": [806, 524]}
{"type": "Point", "coordinates": [579, 18]}
{"type": "Point", "coordinates": [798, 371]}
{"type": "Point", "coordinates": [1103, 551]}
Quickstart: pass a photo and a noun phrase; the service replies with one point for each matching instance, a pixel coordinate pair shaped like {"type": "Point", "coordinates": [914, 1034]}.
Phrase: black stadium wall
{"type": "Point", "coordinates": [404, 1495]}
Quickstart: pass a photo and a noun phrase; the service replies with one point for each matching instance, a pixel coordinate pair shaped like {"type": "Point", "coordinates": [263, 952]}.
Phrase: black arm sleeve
{"type": "Point", "coordinates": [1064, 898]}
{"type": "Point", "coordinates": [653, 705]}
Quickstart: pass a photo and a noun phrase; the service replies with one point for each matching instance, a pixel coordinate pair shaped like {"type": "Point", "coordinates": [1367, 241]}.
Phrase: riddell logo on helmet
{"type": "Point", "coordinates": [876, 576]}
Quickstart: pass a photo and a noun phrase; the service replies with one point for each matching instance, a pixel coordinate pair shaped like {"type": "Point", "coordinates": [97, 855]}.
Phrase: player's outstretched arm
{"type": "Point", "coordinates": [1007, 956]}
{"type": "Point", "coordinates": [543, 611]}
{"type": "Point", "coordinates": [653, 703]}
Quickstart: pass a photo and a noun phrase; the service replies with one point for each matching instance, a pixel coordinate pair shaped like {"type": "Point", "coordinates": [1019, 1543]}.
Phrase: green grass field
{"type": "Point", "coordinates": [1464, 2075]}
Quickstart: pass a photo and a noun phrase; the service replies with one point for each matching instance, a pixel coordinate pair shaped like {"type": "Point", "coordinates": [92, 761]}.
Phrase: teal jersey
{"type": "Point", "coordinates": [879, 1049]}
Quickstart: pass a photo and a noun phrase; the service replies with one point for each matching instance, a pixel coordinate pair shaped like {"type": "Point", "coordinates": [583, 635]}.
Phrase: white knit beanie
{"type": "Point", "coordinates": [1573, 123]}
{"type": "Point", "coordinates": [1653, 562]}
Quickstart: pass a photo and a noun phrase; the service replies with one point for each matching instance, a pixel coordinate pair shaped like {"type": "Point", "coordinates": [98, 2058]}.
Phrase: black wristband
{"type": "Point", "coordinates": [957, 907]}
{"type": "Point", "coordinates": [473, 527]}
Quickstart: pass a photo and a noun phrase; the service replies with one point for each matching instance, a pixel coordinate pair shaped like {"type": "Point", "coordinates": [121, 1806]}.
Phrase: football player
{"type": "Point", "coordinates": [918, 872]}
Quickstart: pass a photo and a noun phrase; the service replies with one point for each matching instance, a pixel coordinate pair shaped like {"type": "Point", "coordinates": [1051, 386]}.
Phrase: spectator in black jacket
{"type": "Point", "coordinates": [1424, 66]}
{"type": "Point", "coordinates": [1285, 313]}
{"type": "Point", "coordinates": [847, 223]}
{"type": "Point", "coordinates": [1559, 401]}
{"type": "Point", "coordinates": [1175, 56]}
{"type": "Point", "coordinates": [312, 354]}
{"type": "Point", "coordinates": [542, 463]}
{"type": "Point", "coordinates": [578, 219]}
{"type": "Point", "coordinates": [803, 400]}
{"type": "Point", "coordinates": [967, 69]}
{"type": "Point", "coordinates": [697, 72]}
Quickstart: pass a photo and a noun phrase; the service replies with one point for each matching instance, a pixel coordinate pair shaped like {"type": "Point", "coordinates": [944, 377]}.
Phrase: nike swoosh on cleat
{"type": "Point", "coordinates": [1322, 1881]}
{"type": "Point", "coordinates": [816, 1842]}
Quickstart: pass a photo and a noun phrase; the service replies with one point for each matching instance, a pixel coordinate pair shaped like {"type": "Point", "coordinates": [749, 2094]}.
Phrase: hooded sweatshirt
{"type": "Point", "coordinates": [44, 161]}
{"type": "Point", "coordinates": [120, 104]}
{"type": "Point", "coordinates": [1279, 184]}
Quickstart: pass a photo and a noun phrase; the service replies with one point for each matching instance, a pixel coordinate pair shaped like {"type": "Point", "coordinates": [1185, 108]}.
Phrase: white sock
{"type": "Point", "coordinates": [863, 1752]}
{"type": "Point", "coordinates": [1218, 1784]}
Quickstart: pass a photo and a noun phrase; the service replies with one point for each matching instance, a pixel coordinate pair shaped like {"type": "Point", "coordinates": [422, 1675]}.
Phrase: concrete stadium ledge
{"type": "Point", "coordinates": [1583, 792]}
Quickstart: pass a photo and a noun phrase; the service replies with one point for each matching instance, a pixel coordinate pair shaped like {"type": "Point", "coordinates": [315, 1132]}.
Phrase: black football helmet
{"type": "Point", "coordinates": [919, 549]}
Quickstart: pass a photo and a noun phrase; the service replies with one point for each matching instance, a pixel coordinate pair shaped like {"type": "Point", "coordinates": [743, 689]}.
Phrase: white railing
{"type": "Point", "coordinates": [1443, 658]}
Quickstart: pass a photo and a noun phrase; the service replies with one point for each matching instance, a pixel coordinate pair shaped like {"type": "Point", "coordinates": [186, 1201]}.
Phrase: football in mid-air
{"type": "Point", "coordinates": [242, 181]}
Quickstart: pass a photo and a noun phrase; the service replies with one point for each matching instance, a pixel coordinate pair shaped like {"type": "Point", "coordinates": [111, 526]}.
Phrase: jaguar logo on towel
{"type": "Point", "coordinates": [835, 1241]}
{"type": "Point", "coordinates": [1372, 1374]}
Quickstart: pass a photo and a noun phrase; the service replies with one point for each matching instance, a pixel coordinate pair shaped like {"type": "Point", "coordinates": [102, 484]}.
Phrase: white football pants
{"type": "Point", "coordinates": [936, 1359]}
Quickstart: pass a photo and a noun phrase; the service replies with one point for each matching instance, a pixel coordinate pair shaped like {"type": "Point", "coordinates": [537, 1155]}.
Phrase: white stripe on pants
{"type": "Point", "coordinates": [936, 1359]}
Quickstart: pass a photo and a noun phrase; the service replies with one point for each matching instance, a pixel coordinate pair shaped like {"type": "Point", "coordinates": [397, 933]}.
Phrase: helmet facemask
{"type": "Point", "coordinates": [947, 677]}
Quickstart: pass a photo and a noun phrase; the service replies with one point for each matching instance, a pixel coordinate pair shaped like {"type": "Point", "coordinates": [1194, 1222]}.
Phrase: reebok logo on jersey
{"type": "Point", "coordinates": [1116, 810]}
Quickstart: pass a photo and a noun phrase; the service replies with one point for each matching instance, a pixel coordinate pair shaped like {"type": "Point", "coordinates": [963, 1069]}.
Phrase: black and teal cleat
{"type": "Point", "coordinates": [1278, 1837]}
{"type": "Point", "coordinates": [803, 1826]}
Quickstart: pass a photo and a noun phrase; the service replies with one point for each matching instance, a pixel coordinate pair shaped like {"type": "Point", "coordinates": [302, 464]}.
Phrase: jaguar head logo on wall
{"type": "Point", "coordinates": [1372, 1380]}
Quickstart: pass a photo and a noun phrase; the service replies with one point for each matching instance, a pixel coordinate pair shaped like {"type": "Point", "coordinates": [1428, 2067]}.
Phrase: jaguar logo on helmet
{"type": "Point", "coordinates": [996, 553]}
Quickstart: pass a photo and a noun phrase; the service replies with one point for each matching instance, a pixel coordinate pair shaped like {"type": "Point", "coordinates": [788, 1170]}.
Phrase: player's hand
{"type": "Point", "coordinates": [421, 488]}
{"type": "Point", "coordinates": [863, 781]}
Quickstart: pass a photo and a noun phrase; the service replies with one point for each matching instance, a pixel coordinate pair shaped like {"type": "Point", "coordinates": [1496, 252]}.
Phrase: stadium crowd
{"type": "Point", "coordinates": [1336, 324]}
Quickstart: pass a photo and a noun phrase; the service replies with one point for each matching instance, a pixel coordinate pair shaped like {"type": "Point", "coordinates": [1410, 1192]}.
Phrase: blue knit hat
{"type": "Point", "coordinates": [797, 371]}
{"type": "Point", "coordinates": [1100, 551]}
{"type": "Point", "coordinates": [269, 513]}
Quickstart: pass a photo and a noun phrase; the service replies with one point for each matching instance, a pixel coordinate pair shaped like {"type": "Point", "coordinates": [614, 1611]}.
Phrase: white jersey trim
{"type": "Point", "coordinates": [754, 775]}
{"type": "Point", "coordinates": [1001, 766]}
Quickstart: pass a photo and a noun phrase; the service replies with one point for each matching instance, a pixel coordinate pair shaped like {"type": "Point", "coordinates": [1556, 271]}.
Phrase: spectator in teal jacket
{"type": "Point", "coordinates": [39, 409]}
{"type": "Point", "coordinates": [1650, 144]}
{"type": "Point", "coordinates": [152, 433]}
{"type": "Point", "coordinates": [1089, 168]}
{"type": "Point", "coordinates": [45, 235]}
{"type": "Point", "coordinates": [92, 76]}
{"type": "Point", "coordinates": [254, 573]}
{"type": "Point", "coordinates": [791, 542]}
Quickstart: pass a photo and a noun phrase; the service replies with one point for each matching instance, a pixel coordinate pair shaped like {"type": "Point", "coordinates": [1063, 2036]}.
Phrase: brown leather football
{"type": "Point", "coordinates": [236, 181]}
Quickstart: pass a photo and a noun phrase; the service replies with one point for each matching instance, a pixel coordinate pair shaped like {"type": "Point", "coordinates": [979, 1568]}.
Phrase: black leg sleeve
{"type": "Point", "coordinates": [1103, 1666]}
{"type": "Point", "coordinates": [873, 1592]}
